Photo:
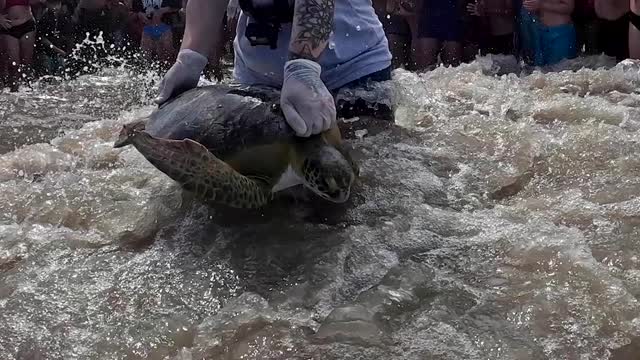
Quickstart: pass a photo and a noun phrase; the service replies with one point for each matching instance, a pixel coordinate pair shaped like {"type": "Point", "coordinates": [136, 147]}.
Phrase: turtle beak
{"type": "Point", "coordinates": [123, 140]}
{"type": "Point", "coordinates": [128, 132]}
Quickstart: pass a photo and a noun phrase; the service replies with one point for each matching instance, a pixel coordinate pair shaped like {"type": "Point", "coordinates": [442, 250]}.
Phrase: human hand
{"type": "Point", "coordinates": [182, 76]}
{"type": "Point", "coordinates": [5, 23]}
{"type": "Point", "coordinates": [472, 9]}
{"type": "Point", "coordinates": [401, 7]}
{"type": "Point", "coordinates": [306, 102]}
{"type": "Point", "coordinates": [476, 9]}
{"type": "Point", "coordinates": [531, 5]}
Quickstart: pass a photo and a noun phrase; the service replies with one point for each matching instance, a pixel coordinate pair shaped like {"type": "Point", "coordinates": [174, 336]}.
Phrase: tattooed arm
{"type": "Point", "coordinates": [312, 26]}
{"type": "Point", "coordinates": [306, 102]}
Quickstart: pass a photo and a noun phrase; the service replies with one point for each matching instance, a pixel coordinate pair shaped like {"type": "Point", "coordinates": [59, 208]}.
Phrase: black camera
{"type": "Point", "coordinates": [262, 34]}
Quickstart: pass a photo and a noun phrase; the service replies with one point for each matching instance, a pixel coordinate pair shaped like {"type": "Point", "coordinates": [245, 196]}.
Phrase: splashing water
{"type": "Point", "coordinates": [500, 222]}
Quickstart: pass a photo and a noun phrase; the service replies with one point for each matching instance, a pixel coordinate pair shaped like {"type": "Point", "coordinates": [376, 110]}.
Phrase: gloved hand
{"type": "Point", "coordinates": [307, 104]}
{"type": "Point", "coordinates": [182, 76]}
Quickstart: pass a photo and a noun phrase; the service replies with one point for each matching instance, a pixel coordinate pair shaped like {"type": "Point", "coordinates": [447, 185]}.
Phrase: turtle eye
{"type": "Point", "coordinates": [331, 184]}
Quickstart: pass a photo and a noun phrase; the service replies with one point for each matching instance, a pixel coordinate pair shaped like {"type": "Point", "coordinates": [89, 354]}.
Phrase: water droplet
{"type": "Point", "coordinates": [388, 16]}
{"type": "Point", "coordinates": [357, 27]}
{"type": "Point", "coordinates": [332, 45]}
{"type": "Point", "coordinates": [347, 34]}
{"type": "Point", "coordinates": [20, 173]}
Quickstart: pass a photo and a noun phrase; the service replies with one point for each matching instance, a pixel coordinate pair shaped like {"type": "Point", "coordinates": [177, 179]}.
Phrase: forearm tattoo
{"type": "Point", "coordinates": [313, 23]}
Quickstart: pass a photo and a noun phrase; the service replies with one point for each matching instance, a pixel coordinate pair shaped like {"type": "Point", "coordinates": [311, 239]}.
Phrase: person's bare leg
{"type": "Point", "coordinates": [165, 48]}
{"type": "Point", "coordinates": [634, 33]}
{"type": "Point", "coordinates": [398, 46]}
{"type": "Point", "coordinates": [426, 53]}
{"type": "Point", "coordinates": [147, 46]}
{"type": "Point", "coordinates": [452, 53]}
{"type": "Point", "coordinates": [12, 45]}
{"type": "Point", "coordinates": [27, 43]}
{"type": "Point", "coordinates": [3, 63]}
{"type": "Point", "coordinates": [213, 69]}
{"type": "Point", "coordinates": [469, 52]}
{"type": "Point", "coordinates": [233, 24]}
{"type": "Point", "coordinates": [413, 40]}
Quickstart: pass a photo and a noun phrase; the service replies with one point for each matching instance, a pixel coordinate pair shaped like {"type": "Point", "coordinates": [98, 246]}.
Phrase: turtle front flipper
{"type": "Point", "coordinates": [199, 171]}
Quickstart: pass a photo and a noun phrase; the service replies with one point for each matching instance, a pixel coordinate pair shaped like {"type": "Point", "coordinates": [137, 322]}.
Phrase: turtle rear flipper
{"type": "Point", "coordinates": [199, 171]}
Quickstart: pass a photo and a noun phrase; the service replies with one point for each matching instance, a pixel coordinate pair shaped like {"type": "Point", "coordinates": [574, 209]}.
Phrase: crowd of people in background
{"type": "Point", "coordinates": [41, 37]}
{"type": "Point", "coordinates": [46, 37]}
{"type": "Point", "coordinates": [539, 32]}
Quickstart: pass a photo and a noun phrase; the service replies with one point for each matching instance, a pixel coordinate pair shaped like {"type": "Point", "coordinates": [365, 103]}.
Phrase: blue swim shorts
{"type": "Point", "coordinates": [156, 31]}
{"type": "Point", "coordinates": [545, 45]}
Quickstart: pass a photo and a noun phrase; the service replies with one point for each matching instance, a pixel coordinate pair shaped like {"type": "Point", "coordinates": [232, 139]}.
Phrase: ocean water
{"type": "Point", "coordinates": [499, 219]}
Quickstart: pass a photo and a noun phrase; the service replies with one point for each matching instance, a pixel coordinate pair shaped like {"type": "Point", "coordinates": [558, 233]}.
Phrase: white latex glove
{"type": "Point", "coordinates": [307, 104]}
{"type": "Point", "coordinates": [182, 76]}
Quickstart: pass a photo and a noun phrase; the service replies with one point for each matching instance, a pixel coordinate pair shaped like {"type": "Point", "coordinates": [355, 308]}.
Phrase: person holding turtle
{"type": "Point", "coordinates": [310, 49]}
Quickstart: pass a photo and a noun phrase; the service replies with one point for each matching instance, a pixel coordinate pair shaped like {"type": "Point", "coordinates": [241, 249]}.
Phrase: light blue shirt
{"type": "Point", "coordinates": [357, 47]}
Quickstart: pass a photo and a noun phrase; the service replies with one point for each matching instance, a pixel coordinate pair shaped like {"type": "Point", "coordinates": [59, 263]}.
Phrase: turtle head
{"type": "Point", "coordinates": [128, 132]}
{"type": "Point", "coordinates": [328, 173]}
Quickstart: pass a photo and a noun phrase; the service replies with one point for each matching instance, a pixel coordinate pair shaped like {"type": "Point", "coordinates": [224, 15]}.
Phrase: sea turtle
{"type": "Point", "coordinates": [232, 145]}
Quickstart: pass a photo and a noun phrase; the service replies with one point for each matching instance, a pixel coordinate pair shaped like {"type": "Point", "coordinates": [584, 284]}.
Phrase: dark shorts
{"type": "Point", "coordinates": [21, 30]}
{"type": "Point", "coordinates": [349, 106]}
{"type": "Point", "coordinates": [442, 20]}
{"type": "Point", "coordinates": [498, 44]}
{"type": "Point", "coordinates": [155, 32]}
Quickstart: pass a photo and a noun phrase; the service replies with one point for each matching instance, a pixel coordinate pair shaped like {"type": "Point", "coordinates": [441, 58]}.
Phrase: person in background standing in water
{"type": "Point", "coordinates": [499, 18]}
{"type": "Point", "coordinates": [157, 35]}
{"type": "Point", "coordinates": [178, 25]}
{"type": "Point", "coordinates": [401, 26]}
{"type": "Point", "coordinates": [134, 27]}
{"type": "Point", "coordinates": [18, 35]}
{"type": "Point", "coordinates": [118, 17]}
{"type": "Point", "coordinates": [54, 38]}
{"type": "Point", "coordinates": [308, 48]}
{"type": "Point", "coordinates": [91, 17]}
{"type": "Point", "coordinates": [549, 32]}
{"type": "Point", "coordinates": [440, 32]}
{"type": "Point", "coordinates": [4, 61]}
{"type": "Point", "coordinates": [616, 9]}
